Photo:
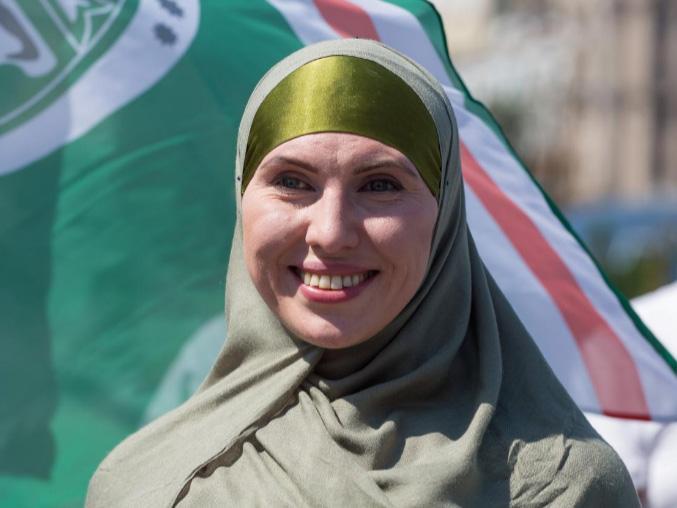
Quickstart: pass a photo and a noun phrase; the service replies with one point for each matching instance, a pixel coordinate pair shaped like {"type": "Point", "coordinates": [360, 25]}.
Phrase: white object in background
{"type": "Point", "coordinates": [658, 310]}
{"type": "Point", "coordinates": [649, 449]}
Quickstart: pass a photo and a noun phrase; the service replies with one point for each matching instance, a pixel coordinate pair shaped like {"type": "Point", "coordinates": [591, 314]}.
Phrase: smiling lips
{"type": "Point", "coordinates": [332, 288]}
{"type": "Point", "coordinates": [332, 282]}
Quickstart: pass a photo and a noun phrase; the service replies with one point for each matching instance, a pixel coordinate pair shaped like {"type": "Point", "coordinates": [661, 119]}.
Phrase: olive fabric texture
{"type": "Point", "coordinates": [451, 404]}
{"type": "Point", "coordinates": [346, 94]}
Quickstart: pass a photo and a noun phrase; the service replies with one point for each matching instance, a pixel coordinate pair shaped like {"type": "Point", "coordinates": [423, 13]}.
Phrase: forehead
{"type": "Point", "coordinates": [337, 150]}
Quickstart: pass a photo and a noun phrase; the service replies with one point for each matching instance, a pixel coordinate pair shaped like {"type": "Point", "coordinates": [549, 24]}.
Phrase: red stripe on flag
{"type": "Point", "coordinates": [611, 368]}
{"type": "Point", "coordinates": [348, 19]}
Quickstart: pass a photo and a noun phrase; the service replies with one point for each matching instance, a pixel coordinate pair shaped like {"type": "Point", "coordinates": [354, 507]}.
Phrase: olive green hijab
{"type": "Point", "coordinates": [450, 405]}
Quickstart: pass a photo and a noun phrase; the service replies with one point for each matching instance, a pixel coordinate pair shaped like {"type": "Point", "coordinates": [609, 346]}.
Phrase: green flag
{"type": "Point", "coordinates": [117, 131]}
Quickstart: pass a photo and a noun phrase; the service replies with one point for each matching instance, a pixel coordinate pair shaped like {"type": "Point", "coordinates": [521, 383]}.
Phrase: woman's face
{"type": "Point", "coordinates": [337, 235]}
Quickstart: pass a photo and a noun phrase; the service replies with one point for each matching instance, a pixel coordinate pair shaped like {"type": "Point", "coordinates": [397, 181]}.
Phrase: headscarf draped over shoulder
{"type": "Point", "coordinates": [450, 405]}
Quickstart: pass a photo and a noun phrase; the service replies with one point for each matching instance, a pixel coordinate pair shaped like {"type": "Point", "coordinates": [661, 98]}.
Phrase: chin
{"type": "Point", "coordinates": [325, 334]}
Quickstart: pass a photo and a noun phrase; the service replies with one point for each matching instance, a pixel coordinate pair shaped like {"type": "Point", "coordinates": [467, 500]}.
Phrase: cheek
{"type": "Point", "coordinates": [268, 235]}
{"type": "Point", "coordinates": [403, 241]}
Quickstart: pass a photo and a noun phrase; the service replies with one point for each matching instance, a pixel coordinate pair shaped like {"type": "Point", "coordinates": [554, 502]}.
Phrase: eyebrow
{"type": "Point", "coordinates": [370, 166]}
{"type": "Point", "coordinates": [281, 159]}
{"type": "Point", "coordinates": [383, 163]}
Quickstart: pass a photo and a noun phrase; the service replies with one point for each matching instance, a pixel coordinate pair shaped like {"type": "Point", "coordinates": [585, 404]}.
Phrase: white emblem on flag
{"type": "Point", "coordinates": [107, 53]}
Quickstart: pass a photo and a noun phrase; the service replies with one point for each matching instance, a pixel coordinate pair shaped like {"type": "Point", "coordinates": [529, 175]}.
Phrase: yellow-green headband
{"type": "Point", "coordinates": [346, 94]}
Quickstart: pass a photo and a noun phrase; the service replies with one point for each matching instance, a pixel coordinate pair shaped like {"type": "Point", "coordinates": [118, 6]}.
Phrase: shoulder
{"type": "Point", "coordinates": [129, 476]}
{"type": "Point", "coordinates": [573, 469]}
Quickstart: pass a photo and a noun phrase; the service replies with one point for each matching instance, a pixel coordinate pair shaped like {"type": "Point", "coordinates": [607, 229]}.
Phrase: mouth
{"type": "Point", "coordinates": [332, 282]}
{"type": "Point", "coordinates": [327, 287]}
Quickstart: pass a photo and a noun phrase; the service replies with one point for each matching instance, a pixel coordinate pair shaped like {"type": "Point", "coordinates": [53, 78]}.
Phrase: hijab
{"type": "Point", "coordinates": [451, 404]}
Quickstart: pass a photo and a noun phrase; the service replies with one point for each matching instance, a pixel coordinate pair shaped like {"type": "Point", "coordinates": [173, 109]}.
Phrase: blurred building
{"type": "Point", "coordinates": [586, 91]}
{"type": "Point", "coordinates": [625, 101]}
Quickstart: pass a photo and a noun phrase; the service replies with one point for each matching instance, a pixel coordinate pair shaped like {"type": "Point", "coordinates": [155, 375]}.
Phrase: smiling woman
{"type": "Point", "coordinates": [371, 359]}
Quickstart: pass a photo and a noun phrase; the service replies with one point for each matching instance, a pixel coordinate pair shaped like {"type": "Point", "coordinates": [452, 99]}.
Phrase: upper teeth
{"type": "Point", "coordinates": [332, 281]}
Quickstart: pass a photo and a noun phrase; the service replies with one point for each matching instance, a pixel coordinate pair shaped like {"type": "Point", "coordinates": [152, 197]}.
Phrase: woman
{"type": "Point", "coordinates": [371, 360]}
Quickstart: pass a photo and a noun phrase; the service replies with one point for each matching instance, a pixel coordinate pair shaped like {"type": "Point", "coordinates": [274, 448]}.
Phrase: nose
{"type": "Point", "coordinates": [332, 223]}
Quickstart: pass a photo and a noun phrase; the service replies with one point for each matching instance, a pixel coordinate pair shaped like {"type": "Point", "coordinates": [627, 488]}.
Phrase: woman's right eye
{"type": "Point", "coordinates": [292, 183]}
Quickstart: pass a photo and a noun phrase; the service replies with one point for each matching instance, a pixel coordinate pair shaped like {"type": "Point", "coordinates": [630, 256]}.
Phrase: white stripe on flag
{"type": "Point", "coordinates": [517, 185]}
{"type": "Point", "coordinates": [538, 312]}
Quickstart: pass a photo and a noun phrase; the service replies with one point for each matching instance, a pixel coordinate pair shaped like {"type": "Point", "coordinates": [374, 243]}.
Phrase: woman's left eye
{"type": "Point", "coordinates": [381, 185]}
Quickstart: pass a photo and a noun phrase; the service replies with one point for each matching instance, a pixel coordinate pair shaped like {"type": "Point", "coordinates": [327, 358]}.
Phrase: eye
{"type": "Point", "coordinates": [381, 185]}
{"type": "Point", "coordinates": [292, 183]}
